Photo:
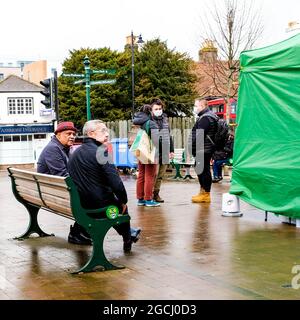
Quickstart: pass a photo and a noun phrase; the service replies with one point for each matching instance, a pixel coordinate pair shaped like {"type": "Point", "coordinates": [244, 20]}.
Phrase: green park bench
{"type": "Point", "coordinates": [180, 161]}
{"type": "Point", "coordinates": [59, 195]}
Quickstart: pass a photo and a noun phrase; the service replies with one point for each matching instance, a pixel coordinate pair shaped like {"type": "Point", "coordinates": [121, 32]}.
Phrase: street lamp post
{"type": "Point", "coordinates": [139, 42]}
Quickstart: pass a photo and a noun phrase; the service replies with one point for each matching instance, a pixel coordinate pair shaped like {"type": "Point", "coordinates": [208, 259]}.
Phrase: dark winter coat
{"type": "Point", "coordinates": [98, 184]}
{"type": "Point", "coordinates": [227, 152]}
{"type": "Point", "coordinates": [54, 159]}
{"type": "Point", "coordinates": [161, 134]}
{"type": "Point", "coordinates": [207, 121]}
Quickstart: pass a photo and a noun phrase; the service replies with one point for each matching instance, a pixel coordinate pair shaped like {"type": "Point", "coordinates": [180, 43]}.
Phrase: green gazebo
{"type": "Point", "coordinates": [266, 171]}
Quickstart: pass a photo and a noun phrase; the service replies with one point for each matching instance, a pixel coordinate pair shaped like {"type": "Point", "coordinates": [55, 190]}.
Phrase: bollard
{"type": "Point", "coordinates": [230, 205]}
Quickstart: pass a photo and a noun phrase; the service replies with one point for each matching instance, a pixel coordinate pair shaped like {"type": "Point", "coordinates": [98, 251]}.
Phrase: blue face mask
{"type": "Point", "coordinates": [157, 113]}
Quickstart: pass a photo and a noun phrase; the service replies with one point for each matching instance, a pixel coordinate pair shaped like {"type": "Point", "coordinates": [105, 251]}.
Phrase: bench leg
{"type": "Point", "coordinates": [177, 175]}
{"type": "Point", "coordinates": [33, 224]}
{"type": "Point", "coordinates": [98, 258]}
{"type": "Point", "coordinates": [188, 174]}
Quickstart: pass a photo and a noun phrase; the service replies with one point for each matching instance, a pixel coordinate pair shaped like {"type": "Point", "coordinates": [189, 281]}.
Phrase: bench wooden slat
{"type": "Point", "coordinates": [49, 200]}
{"type": "Point", "coordinates": [57, 191]}
{"type": "Point", "coordinates": [178, 157]}
{"type": "Point", "coordinates": [31, 199]}
{"type": "Point", "coordinates": [29, 184]}
{"type": "Point", "coordinates": [59, 201]}
{"type": "Point", "coordinates": [29, 175]}
{"type": "Point", "coordinates": [60, 208]}
{"type": "Point", "coordinates": [53, 181]}
{"type": "Point", "coordinates": [23, 176]}
{"type": "Point", "coordinates": [30, 192]}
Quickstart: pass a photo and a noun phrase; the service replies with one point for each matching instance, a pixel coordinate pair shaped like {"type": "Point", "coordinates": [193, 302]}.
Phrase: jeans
{"type": "Point", "coordinates": [217, 167]}
{"type": "Point", "coordinates": [145, 181]}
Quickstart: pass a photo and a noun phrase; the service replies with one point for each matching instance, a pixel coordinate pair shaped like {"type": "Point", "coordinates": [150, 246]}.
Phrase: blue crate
{"type": "Point", "coordinates": [122, 157]}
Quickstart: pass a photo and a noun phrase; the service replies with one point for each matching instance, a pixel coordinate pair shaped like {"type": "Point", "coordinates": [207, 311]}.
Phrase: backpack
{"type": "Point", "coordinates": [221, 135]}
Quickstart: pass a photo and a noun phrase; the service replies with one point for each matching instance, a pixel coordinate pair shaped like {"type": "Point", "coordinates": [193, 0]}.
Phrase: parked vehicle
{"type": "Point", "coordinates": [219, 106]}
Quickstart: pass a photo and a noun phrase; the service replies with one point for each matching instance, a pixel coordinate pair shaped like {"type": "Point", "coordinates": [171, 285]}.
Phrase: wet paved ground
{"type": "Point", "coordinates": [187, 251]}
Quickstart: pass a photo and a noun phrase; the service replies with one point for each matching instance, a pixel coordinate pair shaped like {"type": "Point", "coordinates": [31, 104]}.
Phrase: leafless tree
{"type": "Point", "coordinates": [232, 26]}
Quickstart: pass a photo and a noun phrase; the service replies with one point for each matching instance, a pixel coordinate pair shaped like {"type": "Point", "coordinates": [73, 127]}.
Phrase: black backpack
{"type": "Point", "coordinates": [221, 135]}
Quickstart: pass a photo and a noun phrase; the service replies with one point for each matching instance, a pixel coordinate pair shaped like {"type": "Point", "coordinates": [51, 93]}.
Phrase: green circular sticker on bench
{"type": "Point", "coordinates": [112, 212]}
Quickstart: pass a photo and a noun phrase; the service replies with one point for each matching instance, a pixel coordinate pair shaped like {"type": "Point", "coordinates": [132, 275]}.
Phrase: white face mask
{"type": "Point", "coordinates": [196, 111]}
{"type": "Point", "coordinates": [158, 113]}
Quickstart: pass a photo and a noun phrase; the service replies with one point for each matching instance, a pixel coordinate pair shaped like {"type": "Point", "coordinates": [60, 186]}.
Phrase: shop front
{"type": "Point", "coordinates": [22, 144]}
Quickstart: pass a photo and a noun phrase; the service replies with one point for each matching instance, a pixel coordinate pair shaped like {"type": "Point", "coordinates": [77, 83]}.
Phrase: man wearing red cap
{"type": "Point", "coordinates": [54, 160]}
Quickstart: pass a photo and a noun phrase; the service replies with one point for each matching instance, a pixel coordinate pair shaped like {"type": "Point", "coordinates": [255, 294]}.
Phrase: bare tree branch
{"type": "Point", "coordinates": [233, 26]}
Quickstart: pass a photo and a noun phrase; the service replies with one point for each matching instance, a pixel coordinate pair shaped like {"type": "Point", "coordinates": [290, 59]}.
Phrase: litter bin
{"type": "Point", "coordinates": [122, 157]}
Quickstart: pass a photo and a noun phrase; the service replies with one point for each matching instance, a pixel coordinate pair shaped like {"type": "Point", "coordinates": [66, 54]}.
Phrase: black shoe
{"type": "Point", "coordinates": [216, 179]}
{"type": "Point", "coordinates": [135, 234]}
{"type": "Point", "coordinates": [78, 238]}
{"type": "Point", "coordinates": [127, 246]}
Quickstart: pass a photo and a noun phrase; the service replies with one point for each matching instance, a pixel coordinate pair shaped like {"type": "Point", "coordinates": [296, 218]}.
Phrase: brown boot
{"type": "Point", "coordinates": [202, 198]}
{"type": "Point", "coordinates": [157, 198]}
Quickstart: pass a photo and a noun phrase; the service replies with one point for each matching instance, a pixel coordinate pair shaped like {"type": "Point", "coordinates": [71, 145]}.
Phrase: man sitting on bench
{"type": "Point", "coordinates": [53, 160]}
{"type": "Point", "coordinates": [97, 180]}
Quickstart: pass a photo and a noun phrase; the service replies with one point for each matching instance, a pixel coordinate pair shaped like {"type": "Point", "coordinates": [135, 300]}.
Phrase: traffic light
{"type": "Point", "coordinates": [47, 92]}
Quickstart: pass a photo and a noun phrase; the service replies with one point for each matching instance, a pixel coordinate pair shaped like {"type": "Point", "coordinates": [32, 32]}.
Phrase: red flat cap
{"type": "Point", "coordinates": [63, 126]}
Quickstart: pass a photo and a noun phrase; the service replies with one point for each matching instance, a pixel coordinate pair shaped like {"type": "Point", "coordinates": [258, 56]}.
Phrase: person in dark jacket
{"type": "Point", "coordinates": [150, 176]}
{"type": "Point", "coordinates": [165, 145]}
{"type": "Point", "coordinates": [54, 157]}
{"type": "Point", "coordinates": [222, 157]}
{"type": "Point", "coordinates": [54, 160]}
{"type": "Point", "coordinates": [207, 121]}
{"type": "Point", "coordinates": [97, 180]}
{"type": "Point", "coordinates": [146, 172]}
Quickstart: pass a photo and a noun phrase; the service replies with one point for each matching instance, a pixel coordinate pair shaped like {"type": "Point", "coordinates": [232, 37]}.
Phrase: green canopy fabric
{"type": "Point", "coordinates": [266, 162]}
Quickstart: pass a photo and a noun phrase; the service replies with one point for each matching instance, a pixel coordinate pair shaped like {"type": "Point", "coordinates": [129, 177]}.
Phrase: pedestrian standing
{"type": "Point", "coordinates": [146, 172]}
{"type": "Point", "coordinates": [165, 145]}
{"type": "Point", "coordinates": [207, 121]}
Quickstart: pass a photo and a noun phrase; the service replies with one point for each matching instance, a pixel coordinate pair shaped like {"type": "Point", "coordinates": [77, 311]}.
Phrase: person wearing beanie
{"type": "Point", "coordinates": [54, 160]}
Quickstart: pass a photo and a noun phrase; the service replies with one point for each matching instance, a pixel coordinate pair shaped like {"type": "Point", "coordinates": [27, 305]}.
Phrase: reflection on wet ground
{"type": "Point", "coordinates": [187, 251]}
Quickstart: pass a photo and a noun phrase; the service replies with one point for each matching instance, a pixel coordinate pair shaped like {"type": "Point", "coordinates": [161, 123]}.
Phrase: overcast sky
{"type": "Point", "coordinates": [25, 25]}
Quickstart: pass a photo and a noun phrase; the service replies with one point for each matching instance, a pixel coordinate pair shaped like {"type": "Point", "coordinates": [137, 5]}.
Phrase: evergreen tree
{"type": "Point", "coordinates": [165, 74]}
{"type": "Point", "coordinates": [159, 73]}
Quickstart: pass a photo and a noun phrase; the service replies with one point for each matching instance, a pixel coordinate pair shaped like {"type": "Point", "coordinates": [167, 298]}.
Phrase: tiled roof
{"type": "Point", "coordinates": [16, 84]}
{"type": "Point", "coordinates": [206, 86]}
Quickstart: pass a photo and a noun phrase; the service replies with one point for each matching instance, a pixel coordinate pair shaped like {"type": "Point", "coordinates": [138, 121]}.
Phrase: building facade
{"type": "Point", "coordinates": [32, 71]}
{"type": "Point", "coordinates": [25, 125]}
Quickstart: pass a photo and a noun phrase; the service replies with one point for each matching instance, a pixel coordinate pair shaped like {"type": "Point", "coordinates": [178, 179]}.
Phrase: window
{"type": "Point", "coordinates": [1, 76]}
{"type": "Point", "coordinates": [39, 136]}
{"type": "Point", "coordinates": [7, 138]}
{"type": "Point", "coordinates": [23, 138]}
{"type": "Point", "coordinates": [20, 105]}
{"type": "Point", "coordinates": [1, 138]}
{"type": "Point", "coordinates": [16, 138]}
{"type": "Point", "coordinates": [29, 138]}
{"type": "Point", "coordinates": [233, 107]}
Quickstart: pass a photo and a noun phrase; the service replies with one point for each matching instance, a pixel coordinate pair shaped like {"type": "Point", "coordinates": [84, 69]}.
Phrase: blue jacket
{"type": "Point", "coordinates": [54, 159]}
